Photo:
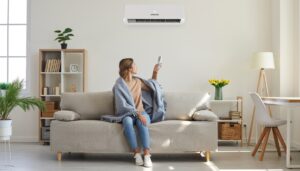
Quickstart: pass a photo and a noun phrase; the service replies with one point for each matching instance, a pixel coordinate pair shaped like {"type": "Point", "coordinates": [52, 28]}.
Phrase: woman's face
{"type": "Point", "coordinates": [133, 69]}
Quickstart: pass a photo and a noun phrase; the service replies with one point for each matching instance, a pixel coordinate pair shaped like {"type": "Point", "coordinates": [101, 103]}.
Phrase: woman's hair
{"type": "Point", "coordinates": [124, 65]}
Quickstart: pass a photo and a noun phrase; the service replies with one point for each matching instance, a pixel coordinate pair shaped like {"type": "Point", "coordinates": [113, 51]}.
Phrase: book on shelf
{"type": "Point", "coordinates": [52, 65]}
{"type": "Point", "coordinates": [51, 90]}
{"type": "Point", "coordinates": [224, 118]}
{"type": "Point", "coordinates": [235, 115]}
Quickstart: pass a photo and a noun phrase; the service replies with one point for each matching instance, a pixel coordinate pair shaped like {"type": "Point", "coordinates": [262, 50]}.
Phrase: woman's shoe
{"type": "Point", "coordinates": [147, 160]}
{"type": "Point", "coordinates": [138, 159]}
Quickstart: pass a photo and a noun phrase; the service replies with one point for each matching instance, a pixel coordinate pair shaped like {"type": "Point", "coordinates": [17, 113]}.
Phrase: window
{"type": "Point", "coordinates": [13, 40]}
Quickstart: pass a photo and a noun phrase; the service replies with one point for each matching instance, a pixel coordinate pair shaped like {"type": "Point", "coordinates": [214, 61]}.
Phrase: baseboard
{"type": "Point", "coordinates": [24, 139]}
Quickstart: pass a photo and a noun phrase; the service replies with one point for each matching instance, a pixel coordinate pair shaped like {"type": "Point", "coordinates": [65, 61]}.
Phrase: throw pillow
{"type": "Point", "coordinates": [66, 115]}
{"type": "Point", "coordinates": [204, 115]}
{"type": "Point", "coordinates": [203, 103]}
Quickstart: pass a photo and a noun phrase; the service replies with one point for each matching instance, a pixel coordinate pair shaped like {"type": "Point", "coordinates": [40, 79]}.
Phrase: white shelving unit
{"type": "Point", "coordinates": [229, 129]}
{"type": "Point", "coordinates": [58, 79]}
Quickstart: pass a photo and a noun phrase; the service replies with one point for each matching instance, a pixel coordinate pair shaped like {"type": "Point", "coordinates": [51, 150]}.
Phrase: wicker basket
{"type": "Point", "coordinates": [229, 131]}
{"type": "Point", "coordinates": [49, 109]}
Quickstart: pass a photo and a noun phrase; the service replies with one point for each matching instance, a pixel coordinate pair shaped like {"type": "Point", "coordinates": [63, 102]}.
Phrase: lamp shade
{"type": "Point", "coordinates": [263, 60]}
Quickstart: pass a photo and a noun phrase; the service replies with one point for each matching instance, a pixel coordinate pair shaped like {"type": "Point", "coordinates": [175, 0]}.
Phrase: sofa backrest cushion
{"type": "Point", "coordinates": [182, 105]}
{"type": "Point", "coordinates": [89, 105]}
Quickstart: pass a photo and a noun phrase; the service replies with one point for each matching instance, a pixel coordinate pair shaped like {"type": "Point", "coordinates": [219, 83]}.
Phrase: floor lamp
{"type": "Point", "coordinates": [262, 61]}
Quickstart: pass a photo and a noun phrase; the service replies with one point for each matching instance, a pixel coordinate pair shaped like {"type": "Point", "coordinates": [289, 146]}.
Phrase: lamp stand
{"type": "Point", "coordinates": [259, 89]}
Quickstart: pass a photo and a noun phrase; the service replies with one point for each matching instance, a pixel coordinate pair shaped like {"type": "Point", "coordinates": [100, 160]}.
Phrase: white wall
{"type": "Point", "coordinates": [217, 40]}
{"type": "Point", "coordinates": [285, 42]}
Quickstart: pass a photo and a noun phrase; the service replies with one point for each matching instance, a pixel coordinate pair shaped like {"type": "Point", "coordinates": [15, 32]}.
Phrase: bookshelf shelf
{"type": "Point", "coordinates": [46, 118]}
{"type": "Point", "coordinates": [50, 95]}
{"type": "Point", "coordinates": [57, 75]}
{"type": "Point", "coordinates": [72, 73]}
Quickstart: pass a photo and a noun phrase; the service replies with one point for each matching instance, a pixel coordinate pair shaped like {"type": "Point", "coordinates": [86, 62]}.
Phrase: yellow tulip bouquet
{"type": "Point", "coordinates": [218, 84]}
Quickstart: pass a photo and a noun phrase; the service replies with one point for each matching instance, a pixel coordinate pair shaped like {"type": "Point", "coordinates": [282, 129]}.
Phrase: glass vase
{"type": "Point", "coordinates": [218, 93]}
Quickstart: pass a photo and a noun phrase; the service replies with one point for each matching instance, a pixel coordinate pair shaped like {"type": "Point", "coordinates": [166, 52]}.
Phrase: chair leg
{"type": "Point", "coordinates": [261, 157]}
{"type": "Point", "coordinates": [259, 141]}
{"type": "Point", "coordinates": [280, 138]}
{"type": "Point", "coordinates": [276, 142]}
{"type": "Point", "coordinates": [208, 156]}
{"type": "Point", "coordinates": [58, 156]}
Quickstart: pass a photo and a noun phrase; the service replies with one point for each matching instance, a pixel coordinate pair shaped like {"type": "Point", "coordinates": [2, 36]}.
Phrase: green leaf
{"type": "Point", "coordinates": [57, 31]}
{"type": "Point", "coordinates": [68, 30]}
{"type": "Point", "coordinates": [70, 35]}
{"type": "Point", "coordinates": [12, 99]}
{"type": "Point", "coordinates": [63, 36]}
{"type": "Point", "coordinates": [4, 86]}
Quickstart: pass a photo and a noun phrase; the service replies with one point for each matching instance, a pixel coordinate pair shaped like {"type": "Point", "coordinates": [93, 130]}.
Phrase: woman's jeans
{"type": "Point", "coordinates": [128, 126]}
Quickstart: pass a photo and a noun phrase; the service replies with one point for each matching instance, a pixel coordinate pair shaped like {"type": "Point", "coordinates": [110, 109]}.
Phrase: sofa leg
{"type": "Point", "coordinates": [58, 156]}
{"type": "Point", "coordinates": [207, 156]}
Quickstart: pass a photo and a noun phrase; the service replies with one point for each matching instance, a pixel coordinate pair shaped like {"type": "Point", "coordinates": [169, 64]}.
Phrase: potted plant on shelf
{"type": "Point", "coordinates": [64, 36]}
{"type": "Point", "coordinates": [11, 100]}
{"type": "Point", "coordinates": [3, 88]}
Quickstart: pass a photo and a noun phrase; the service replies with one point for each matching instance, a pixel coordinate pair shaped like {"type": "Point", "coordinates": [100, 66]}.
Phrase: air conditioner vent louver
{"type": "Point", "coordinates": [154, 14]}
{"type": "Point", "coordinates": [154, 20]}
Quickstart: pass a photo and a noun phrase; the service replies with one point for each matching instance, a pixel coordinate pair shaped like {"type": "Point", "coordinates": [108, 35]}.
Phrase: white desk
{"type": "Point", "coordinates": [290, 102]}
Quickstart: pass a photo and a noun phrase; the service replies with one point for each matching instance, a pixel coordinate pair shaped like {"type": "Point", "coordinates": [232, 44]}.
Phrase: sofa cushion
{"type": "Point", "coordinates": [204, 115]}
{"type": "Point", "coordinates": [88, 136]}
{"type": "Point", "coordinates": [182, 105]}
{"type": "Point", "coordinates": [88, 105]}
{"type": "Point", "coordinates": [183, 136]}
{"type": "Point", "coordinates": [66, 115]}
{"type": "Point", "coordinates": [94, 136]}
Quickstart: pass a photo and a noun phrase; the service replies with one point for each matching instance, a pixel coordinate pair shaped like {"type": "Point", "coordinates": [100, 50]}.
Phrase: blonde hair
{"type": "Point", "coordinates": [124, 65]}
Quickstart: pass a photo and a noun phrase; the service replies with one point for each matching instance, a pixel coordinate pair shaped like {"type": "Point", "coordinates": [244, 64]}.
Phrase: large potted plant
{"type": "Point", "coordinates": [64, 36]}
{"type": "Point", "coordinates": [3, 88]}
{"type": "Point", "coordinates": [11, 100]}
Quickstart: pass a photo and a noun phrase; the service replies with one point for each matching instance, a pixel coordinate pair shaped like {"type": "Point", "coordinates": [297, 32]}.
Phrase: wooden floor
{"type": "Point", "coordinates": [35, 157]}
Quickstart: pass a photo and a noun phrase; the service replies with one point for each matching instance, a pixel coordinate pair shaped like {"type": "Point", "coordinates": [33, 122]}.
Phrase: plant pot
{"type": "Point", "coordinates": [218, 93]}
{"type": "Point", "coordinates": [5, 129]}
{"type": "Point", "coordinates": [3, 93]}
{"type": "Point", "coordinates": [64, 45]}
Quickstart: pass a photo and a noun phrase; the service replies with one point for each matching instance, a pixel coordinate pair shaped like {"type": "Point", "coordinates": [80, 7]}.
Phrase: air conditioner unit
{"type": "Point", "coordinates": [154, 14]}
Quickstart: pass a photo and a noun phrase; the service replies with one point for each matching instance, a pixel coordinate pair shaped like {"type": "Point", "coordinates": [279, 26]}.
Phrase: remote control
{"type": "Point", "coordinates": [159, 61]}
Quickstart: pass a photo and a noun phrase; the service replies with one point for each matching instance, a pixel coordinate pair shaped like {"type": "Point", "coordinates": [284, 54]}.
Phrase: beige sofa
{"type": "Point", "coordinates": [78, 128]}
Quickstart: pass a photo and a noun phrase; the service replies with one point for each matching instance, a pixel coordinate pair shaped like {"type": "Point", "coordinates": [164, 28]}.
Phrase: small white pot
{"type": "Point", "coordinates": [3, 93]}
{"type": "Point", "coordinates": [5, 129]}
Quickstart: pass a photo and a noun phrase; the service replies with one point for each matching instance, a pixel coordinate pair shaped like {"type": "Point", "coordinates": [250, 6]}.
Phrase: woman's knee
{"type": "Point", "coordinates": [127, 121]}
{"type": "Point", "coordinates": [147, 118]}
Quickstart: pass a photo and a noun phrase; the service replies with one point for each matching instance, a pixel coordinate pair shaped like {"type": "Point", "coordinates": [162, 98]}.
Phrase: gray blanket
{"type": "Point", "coordinates": [153, 101]}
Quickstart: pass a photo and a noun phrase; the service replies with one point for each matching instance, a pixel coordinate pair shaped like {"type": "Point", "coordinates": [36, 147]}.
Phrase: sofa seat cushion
{"type": "Point", "coordinates": [94, 136]}
{"type": "Point", "coordinates": [89, 136]}
{"type": "Point", "coordinates": [183, 136]}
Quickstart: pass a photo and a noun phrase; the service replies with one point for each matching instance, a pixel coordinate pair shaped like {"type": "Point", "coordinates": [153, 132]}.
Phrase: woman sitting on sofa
{"type": "Point", "coordinates": [128, 99]}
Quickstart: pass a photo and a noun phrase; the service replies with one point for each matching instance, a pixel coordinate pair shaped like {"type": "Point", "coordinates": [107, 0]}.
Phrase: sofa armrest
{"type": "Point", "coordinates": [66, 115]}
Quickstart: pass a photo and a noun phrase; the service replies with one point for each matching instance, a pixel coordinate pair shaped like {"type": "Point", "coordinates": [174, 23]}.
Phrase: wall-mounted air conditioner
{"type": "Point", "coordinates": [154, 14]}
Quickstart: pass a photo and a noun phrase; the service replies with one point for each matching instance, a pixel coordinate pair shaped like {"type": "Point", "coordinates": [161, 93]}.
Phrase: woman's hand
{"type": "Point", "coordinates": [142, 118]}
{"type": "Point", "coordinates": [156, 68]}
{"type": "Point", "coordinates": [155, 71]}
